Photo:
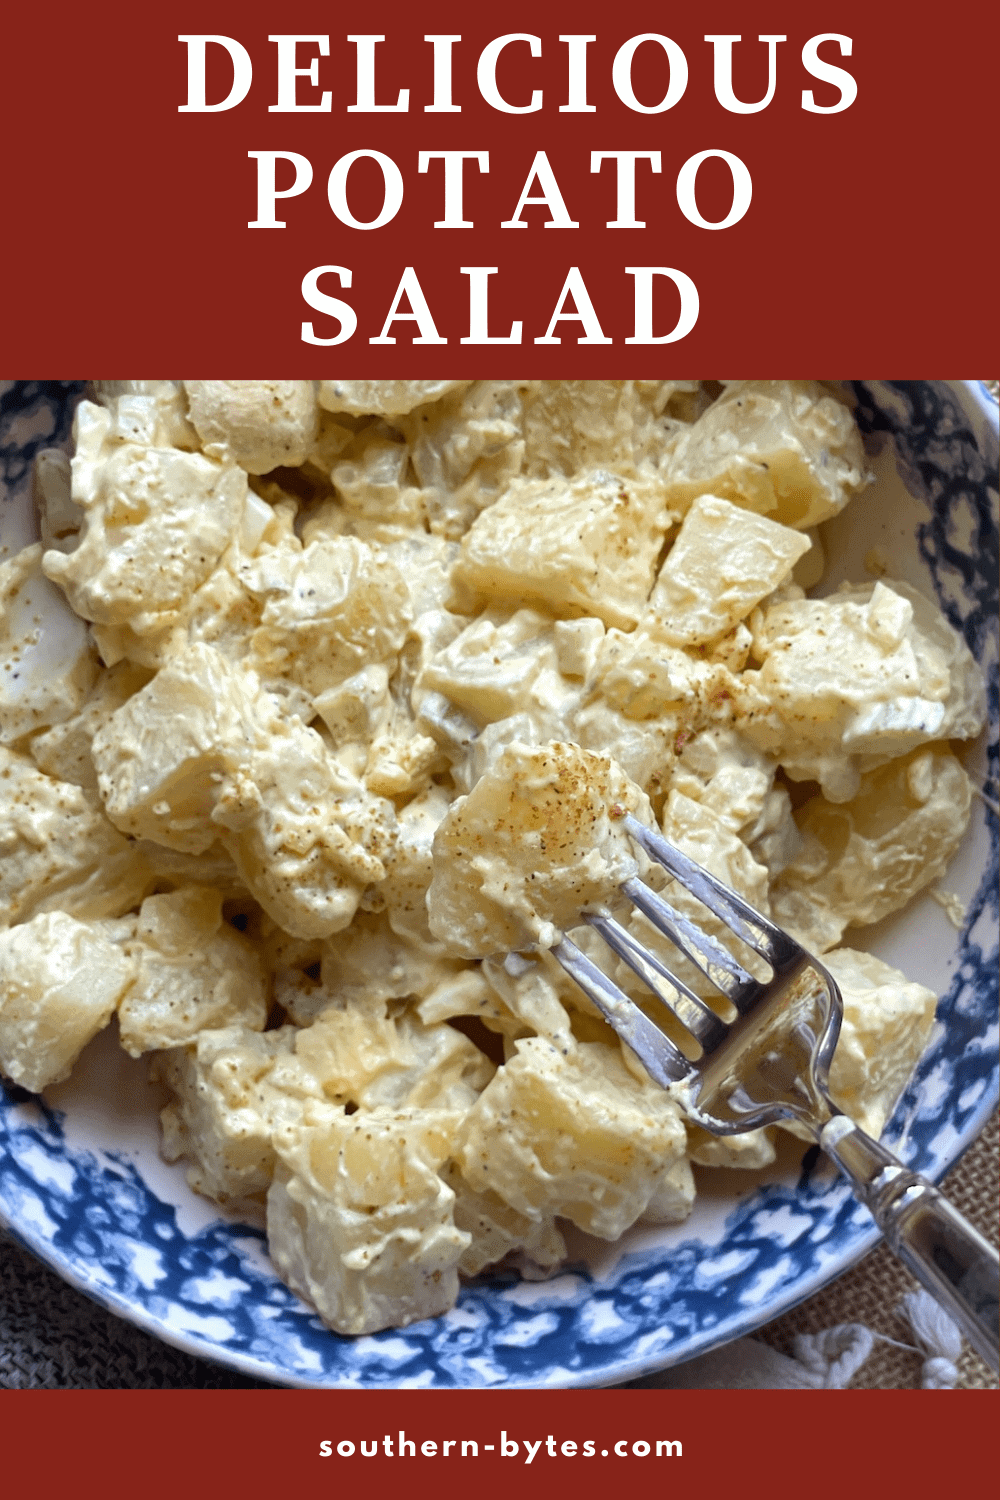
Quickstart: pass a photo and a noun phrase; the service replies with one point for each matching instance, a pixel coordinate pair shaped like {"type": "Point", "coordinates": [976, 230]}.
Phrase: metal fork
{"type": "Point", "coordinates": [770, 1061]}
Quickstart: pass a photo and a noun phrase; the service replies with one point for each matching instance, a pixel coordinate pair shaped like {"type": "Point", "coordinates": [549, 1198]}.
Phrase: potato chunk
{"type": "Point", "coordinates": [722, 563]}
{"type": "Point", "coordinates": [60, 981]}
{"type": "Point", "coordinates": [58, 849]}
{"type": "Point", "coordinates": [193, 972]}
{"type": "Point", "coordinates": [156, 521]}
{"type": "Point", "coordinates": [854, 680]}
{"type": "Point", "coordinates": [577, 426]}
{"type": "Point", "coordinates": [44, 675]}
{"type": "Point", "coordinates": [367, 1059]}
{"type": "Point", "coordinates": [261, 424]}
{"type": "Point", "coordinates": [465, 450]}
{"type": "Point", "coordinates": [863, 859]}
{"type": "Point", "coordinates": [161, 757]}
{"type": "Point", "coordinates": [497, 1229]}
{"type": "Point", "coordinates": [571, 1135]}
{"type": "Point", "coordinates": [231, 1089]}
{"type": "Point", "coordinates": [784, 448]}
{"type": "Point", "coordinates": [497, 667]}
{"type": "Point", "coordinates": [329, 611]}
{"type": "Point", "coordinates": [887, 1024]}
{"type": "Point", "coordinates": [586, 546]}
{"type": "Point", "coordinates": [537, 840]}
{"type": "Point", "coordinates": [384, 398]}
{"type": "Point", "coordinates": [203, 752]}
{"type": "Point", "coordinates": [359, 1221]}
{"type": "Point", "coordinates": [64, 750]}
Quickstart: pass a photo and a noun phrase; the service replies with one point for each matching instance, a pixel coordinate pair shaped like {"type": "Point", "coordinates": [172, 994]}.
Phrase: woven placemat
{"type": "Point", "coordinates": [52, 1337]}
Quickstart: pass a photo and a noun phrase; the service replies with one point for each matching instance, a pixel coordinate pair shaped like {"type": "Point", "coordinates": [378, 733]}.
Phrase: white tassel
{"type": "Point", "coordinates": [937, 1336]}
{"type": "Point", "coordinates": [834, 1356]}
{"type": "Point", "coordinates": [828, 1360]}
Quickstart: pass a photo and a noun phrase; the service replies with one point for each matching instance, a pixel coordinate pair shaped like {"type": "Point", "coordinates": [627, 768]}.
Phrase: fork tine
{"type": "Point", "coordinates": [692, 1012]}
{"type": "Point", "coordinates": [662, 1060]}
{"type": "Point", "coordinates": [717, 964]}
{"type": "Point", "coordinates": [739, 916]}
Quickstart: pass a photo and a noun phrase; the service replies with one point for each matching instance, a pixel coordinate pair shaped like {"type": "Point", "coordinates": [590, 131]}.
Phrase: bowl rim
{"type": "Point", "coordinates": [981, 399]}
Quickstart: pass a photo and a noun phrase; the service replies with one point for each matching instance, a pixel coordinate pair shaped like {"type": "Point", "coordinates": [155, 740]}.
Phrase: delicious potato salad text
{"type": "Point", "coordinates": [319, 706]}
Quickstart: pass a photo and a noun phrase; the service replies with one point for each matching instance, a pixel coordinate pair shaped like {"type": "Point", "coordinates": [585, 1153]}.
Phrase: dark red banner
{"type": "Point", "coordinates": [488, 1443]}
{"type": "Point", "coordinates": [554, 190]}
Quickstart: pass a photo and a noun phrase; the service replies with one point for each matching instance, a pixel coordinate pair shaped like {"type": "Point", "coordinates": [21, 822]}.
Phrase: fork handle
{"type": "Point", "coordinates": [959, 1268]}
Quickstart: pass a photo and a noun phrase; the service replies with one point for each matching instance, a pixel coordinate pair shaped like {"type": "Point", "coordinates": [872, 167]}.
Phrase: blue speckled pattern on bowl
{"type": "Point", "coordinates": [116, 1224]}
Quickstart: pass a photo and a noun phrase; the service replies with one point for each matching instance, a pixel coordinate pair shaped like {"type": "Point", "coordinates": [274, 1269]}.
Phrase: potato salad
{"type": "Point", "coordinates": [320, 707]}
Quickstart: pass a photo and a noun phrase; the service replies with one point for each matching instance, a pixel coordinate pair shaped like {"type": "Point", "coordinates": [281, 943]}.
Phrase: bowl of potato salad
{"type": "Point", "coordinates": [320, 702]}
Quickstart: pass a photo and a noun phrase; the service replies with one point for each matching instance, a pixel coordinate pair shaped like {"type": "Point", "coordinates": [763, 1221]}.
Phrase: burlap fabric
{"type": "Point", "coordinates": [52, 1337]}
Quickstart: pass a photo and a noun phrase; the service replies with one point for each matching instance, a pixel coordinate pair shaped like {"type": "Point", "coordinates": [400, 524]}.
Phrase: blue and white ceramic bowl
{"type": "Point", "coordinates": [82, 1185]}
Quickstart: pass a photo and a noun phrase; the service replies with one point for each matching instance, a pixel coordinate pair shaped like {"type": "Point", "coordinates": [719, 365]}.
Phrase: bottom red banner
{"type": "Point", "coordinates": [493, 1442]}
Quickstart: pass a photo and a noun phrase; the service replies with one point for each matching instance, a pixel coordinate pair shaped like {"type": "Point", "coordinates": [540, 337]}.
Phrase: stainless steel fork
{"type": "Point", "coordinates": [770, 1061]}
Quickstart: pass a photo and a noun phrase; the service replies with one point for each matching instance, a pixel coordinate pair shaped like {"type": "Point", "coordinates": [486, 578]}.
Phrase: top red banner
{"type": "Point", "coordinates": [555, 190]}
